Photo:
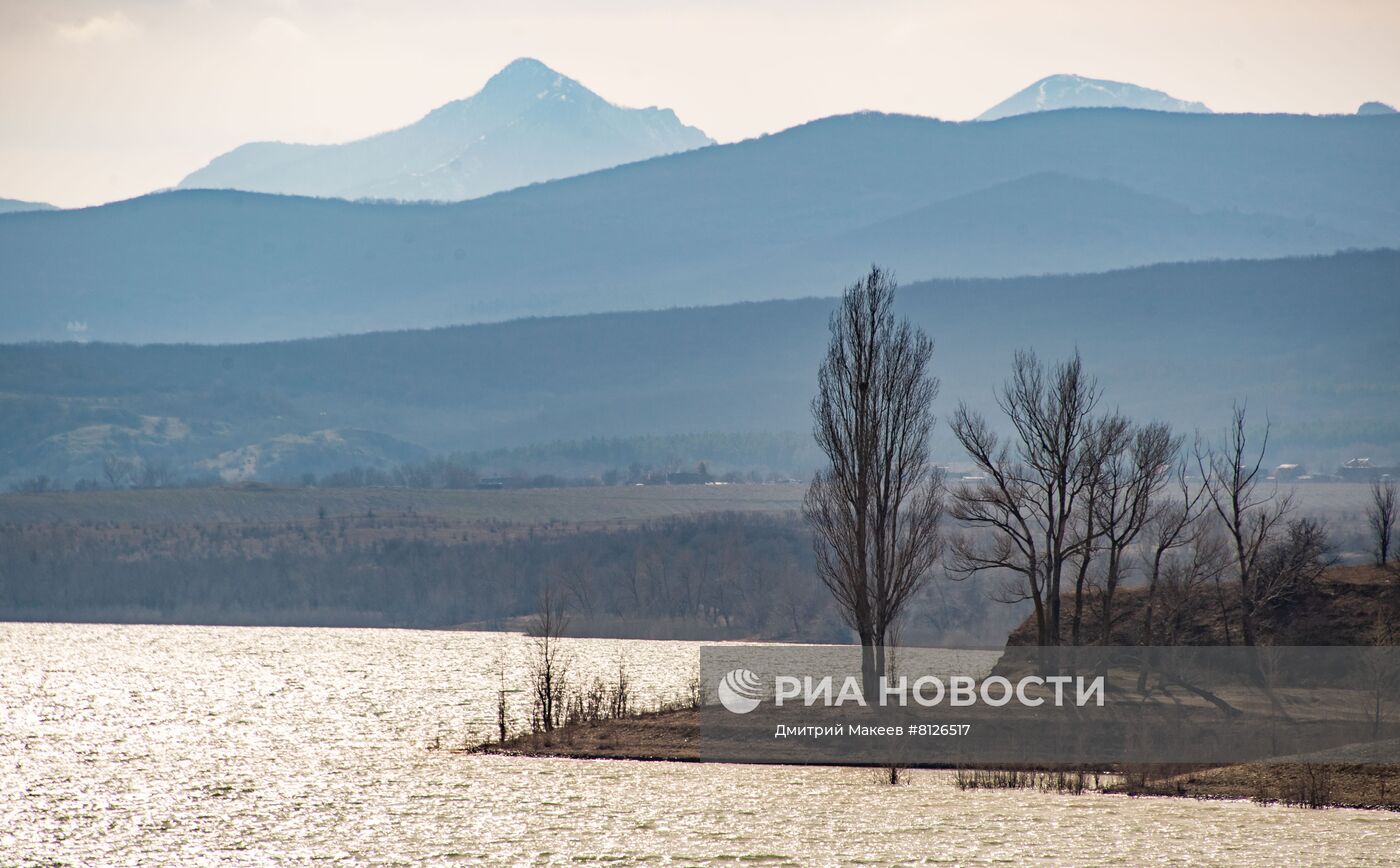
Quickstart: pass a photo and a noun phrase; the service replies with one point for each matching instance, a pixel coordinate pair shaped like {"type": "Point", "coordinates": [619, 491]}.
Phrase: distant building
{"type": "Point", "coordinates": [685, 478]}
{"type": "Point", "coordinates": [1365, 470]}
{"type": "Point", "coordinates": [1289, 471]}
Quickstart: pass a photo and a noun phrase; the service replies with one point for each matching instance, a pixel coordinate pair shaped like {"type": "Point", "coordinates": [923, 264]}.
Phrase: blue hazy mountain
{"type": "Point", "coordinates": [1075, 91]}
{"type": "Point", "coordinates": [781, 216]}
{"type": "Point", "coordinates": [10, 206]}
{"type": "Point", "coordinates": [1375, 108]}
{"type": "Point", "coordinates": [1045, 223]}
{"type": "Point", "coordinates": [1305, 340]}
{"type": "Point", "coordinates": [528, 124]}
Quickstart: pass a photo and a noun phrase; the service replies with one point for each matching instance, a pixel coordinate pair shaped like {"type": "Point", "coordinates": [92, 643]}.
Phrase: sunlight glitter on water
{"type": "Point", "coordinates": [189, 745]}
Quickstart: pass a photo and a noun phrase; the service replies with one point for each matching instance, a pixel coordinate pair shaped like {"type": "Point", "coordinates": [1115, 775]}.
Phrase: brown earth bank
{"type": "Point", "coordinates": [658, 735]}
{"type": "Point", "coordinates": [674, 736]}
{"type": "Point", "coordinates": [1313, 785]}
{"type": "Point", "coordinates": [1341, 608]}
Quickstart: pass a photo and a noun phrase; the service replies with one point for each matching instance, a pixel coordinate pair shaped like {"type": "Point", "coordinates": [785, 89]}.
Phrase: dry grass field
{"type": "Point", "coordinates": [1340, 503]}
{"type": "Point", "coordinates": [534, 506]}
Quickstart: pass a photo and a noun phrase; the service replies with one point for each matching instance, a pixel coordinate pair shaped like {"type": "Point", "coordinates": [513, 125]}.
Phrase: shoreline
{"type": "Point", "coordinates": [673, 736]}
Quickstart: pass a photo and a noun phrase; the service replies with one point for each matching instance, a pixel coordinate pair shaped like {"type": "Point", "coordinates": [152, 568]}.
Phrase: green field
{"type": "Point", "coordinates": [518, 506]}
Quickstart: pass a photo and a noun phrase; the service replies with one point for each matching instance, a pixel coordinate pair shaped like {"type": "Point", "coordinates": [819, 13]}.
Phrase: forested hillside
{"type": "Point", "coordinates": [1302, 339]}
{"type": "Point", "coordinates": [1307, 340]}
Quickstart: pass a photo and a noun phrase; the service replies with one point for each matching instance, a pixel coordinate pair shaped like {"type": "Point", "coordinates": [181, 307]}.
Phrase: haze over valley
{"type": "Point", "coordinates": [401, 441]}
{"type": "Point", "coordinates": [784, 216]}
{"type": "Point", "coordinates": [1178, 342]}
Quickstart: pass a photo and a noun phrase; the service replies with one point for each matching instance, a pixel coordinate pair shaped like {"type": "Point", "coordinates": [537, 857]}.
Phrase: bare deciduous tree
{"type": "Point", "coordinates": [502, 704]}
{"type": "Point", "coordinates": [1174, 524]}
{"type": "Point", "coordinates": [155, 473]}
{"type": "Point", "coordinates": [1380, 517]}
{"type": "Point", "coordinates": [1380, 671]}
{"type": "Point", "coordinates": [117, 471]}
{"type": "Point", "coordinates": [1034, 482]}
{"type": "Point", "coordinates": [1132, 478]}
{"type": "Point", "coordinates": [1185, 575]}
{"type": "Point", "coordinates": [1231, 475]}
{"type": "Point", "coordinates": [876, 508]}
{"type": "Point", "coordinates": [548, 668]}
{"type": "Point", "coordinates": [1109, 436]}
{"type": "Point", "coordinates": [1288, 569]}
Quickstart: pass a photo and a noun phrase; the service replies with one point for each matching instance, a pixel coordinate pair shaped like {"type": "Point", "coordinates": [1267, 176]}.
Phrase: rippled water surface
{"type": "Point", "coordinates": [192, 745]}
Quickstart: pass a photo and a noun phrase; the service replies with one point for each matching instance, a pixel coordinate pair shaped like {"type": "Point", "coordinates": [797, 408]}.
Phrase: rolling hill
{"type": "Point", "coordinates": [781, 216]}
{"type": "Point", "coordinates": [1308, 341]}
{"type": "Point", "coordinates": [11, 206]}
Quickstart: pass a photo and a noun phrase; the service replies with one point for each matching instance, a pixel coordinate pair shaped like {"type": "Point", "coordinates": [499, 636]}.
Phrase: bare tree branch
{"type": "Point", "coordinates": [875, 510]}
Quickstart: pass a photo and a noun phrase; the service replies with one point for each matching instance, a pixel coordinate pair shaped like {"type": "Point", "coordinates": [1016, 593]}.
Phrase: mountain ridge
{"type": "Point", "coordinates": [526, 125]}
{"type": "Point", "coordinates": [1067, 90]}
{"type": "Point", "coordinates": [710, 226]}
{"type": "Point", "coordinates": [15, 206]}
{"type": "Point", "coordinates": [1035, 225]}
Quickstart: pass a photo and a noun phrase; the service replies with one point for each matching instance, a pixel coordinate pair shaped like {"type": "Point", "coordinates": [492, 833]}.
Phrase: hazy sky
{"type": "Point", "coordinates": [104, 100]}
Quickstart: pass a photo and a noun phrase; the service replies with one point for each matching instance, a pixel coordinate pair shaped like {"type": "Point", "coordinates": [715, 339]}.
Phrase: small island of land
{"type": "Point", "coordinates": [1338, 608]}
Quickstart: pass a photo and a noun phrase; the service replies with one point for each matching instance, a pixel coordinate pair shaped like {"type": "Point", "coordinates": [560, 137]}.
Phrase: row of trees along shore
{"type": "Point", "coordinates": [1073, 499]}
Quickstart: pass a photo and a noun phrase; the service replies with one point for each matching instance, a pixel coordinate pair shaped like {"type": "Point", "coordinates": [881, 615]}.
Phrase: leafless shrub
{"type": "Point", "coordinates": [1068, 781]}
{"type": "Point", "coordinates": [620, 699]}
{"type": "Point", "coordinates": [1252, 515]}
{"type": "Point", "coordinates": [548, 666]}
{"type": "Point", "coordinates": [502, 705]}
{"type": "Point", "coordinates": [1314, 786]}
{"type": "Point", "coordinates": [588, 705]}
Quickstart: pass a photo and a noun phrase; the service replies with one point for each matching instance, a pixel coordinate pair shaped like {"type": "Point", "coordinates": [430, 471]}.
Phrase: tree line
{"type": "Point", "coordinates": [1070, 501]}
{"type": "Point", "coordinates": [451, 472]}
{"type": "Point", "coordinates": [740, 575]}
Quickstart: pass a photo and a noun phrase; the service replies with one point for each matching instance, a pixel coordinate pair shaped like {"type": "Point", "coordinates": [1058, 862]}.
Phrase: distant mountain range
{"type": "Point", "coordinates": [10, 206]}
{"type": "Point", "coordinates": [1051, 223]}
{"type": "Point", "coordinates": [1375, 108]}
{"type": "Point", "coordinates": [788, 215]}
{"type": "Point", "coordinates": [1307, 341]}
{"type": "Point", "coordinates": [528, 124]}
{"type": "Point", "coordinates": [1075, 91]}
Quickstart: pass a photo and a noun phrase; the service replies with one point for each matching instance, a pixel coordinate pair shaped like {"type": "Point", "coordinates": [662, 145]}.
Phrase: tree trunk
{"type": "Point", "coordinates": [1247, 620]}
{"type": "Point", "coordinates": [1040, 637]}
{"type": "Point", "coordinates": [1147, 625]}
{"type": "Point", "coordinates": [869, 675]}
{"type": "Point", "coordinates": [1110, 587]}
{"type": "Point", "coordinates": [1079, 599]}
